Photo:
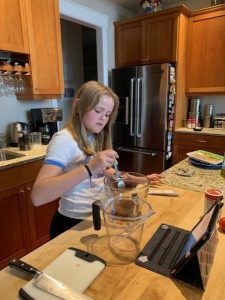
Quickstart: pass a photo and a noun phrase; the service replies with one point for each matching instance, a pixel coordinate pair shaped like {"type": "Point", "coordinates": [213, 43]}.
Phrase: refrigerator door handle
{"type": "Point", "coordinates": [132, 106]}
{"type": "Point", "coordinates": [136, 151]}
{"type": "Point", "coordinates": [138, 131]}
{"type": "Point", "coordinates": [126, 110]}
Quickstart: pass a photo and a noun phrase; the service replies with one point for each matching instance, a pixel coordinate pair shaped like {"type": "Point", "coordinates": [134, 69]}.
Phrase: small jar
{"type": "Point", "coordinates": [212, 195]}
{"type": "Point", "coordinates": [189, 123]}
{"type": "Point", "coordinates": [193, 123]}
{"type": "Point", "coordinates": [216, 2]}
{"type": "Point", "coordinates": [185, 123]}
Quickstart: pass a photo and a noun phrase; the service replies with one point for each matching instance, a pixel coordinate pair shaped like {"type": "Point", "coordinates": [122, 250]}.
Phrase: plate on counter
{"type": "Point", "coordinates": [204, 165]}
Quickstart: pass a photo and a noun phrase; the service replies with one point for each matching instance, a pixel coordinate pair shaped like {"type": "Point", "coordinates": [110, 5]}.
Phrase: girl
{"type": "Point", "coordinates": [78, 156]}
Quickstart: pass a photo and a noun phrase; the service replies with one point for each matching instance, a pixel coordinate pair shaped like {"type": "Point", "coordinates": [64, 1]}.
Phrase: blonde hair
{"type": "Point", "coordinates": [88, 95]}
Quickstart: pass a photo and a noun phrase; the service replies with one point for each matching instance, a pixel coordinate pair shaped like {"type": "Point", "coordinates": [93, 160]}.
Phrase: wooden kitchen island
{"type": "Point", "coordinates": [130, 281]}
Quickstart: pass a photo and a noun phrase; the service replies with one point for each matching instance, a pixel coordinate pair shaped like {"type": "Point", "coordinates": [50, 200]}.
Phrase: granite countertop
{"type": "Point", "coordinates": [28, 156]}
{"type": "Point", "coordinates": [199, 181]}
{"type": "Point", "coordinates": [210, 131]}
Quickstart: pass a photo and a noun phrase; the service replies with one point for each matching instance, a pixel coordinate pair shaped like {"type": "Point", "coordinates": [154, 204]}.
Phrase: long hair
{"type": "Point", "coordinates": [88, 95]}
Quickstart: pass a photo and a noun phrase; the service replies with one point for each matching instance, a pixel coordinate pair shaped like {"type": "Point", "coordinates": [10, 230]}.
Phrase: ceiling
{"type": "Point", "coordinates": [133, 5]}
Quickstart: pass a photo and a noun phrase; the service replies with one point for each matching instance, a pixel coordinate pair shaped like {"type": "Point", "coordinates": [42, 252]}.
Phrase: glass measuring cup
{"type": "Point", "coordinates": [124, 220]}
{"type": "Point", "coordinates": [132, 183]}
{"type": "Point", "coordinates": [125, 211]}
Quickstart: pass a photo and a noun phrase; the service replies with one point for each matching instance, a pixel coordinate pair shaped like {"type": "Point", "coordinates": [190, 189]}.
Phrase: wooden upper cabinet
{"type": "Point", "coordinates": [206, 52]}
{"type": "Point", "coordinates": [45, 47]}
{"type": "Point", "coordinates": [128, 44]}
{"type": "Point", "coordinates": [160, 38]}
{"type": "Point", "coordinates": [152, 38]}
{"type": "Point", "coordinates": [13, 24]}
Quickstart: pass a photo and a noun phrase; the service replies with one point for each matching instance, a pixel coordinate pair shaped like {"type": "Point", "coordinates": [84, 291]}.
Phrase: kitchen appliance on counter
{"type": "Point", "coordinates": [45, 133]}
{"type": "Point", "coordinates": [15, 130]}
{"type": "Point", "coordinates": [142, 133]}
{"type": "Point", "coordinates": [24, 140]}
{"type": "Point", "coordinates": [208, 115]}
{"type": "Point", "coordinates": [219, 121]}
{"type": "Point", "coordinates": [45, 121]}
{"type": "Point", "coordinates": [194, 111]}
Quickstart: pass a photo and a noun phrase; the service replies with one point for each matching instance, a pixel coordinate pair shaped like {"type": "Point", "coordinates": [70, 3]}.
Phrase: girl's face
{"type": "Point", "coordinates": [96, 119]}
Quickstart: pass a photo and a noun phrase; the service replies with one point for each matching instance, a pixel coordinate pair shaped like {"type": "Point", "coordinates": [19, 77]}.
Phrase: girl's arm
{"type": "Point", "coordinates": [154, 178]}
{"type": "Point", "coordinates": [51, 183]}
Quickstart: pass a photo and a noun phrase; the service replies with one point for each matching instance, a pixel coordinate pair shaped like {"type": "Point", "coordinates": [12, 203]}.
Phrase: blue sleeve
{"type": "Point", "coordinates": [61, 149]}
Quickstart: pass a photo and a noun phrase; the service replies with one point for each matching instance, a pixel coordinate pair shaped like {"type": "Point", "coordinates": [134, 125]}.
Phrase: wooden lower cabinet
{"type": "Point", "coordinates": [14, 225]}
{"type": "Point", "coordinates": [186, 142]}
{"type": "Point", "coordinates": [23, 227]}
{"type": "Point", "coordinates": [39, 221]}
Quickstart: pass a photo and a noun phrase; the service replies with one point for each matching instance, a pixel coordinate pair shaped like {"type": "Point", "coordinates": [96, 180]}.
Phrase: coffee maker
{"type": "Point", "coordinates": [45, 121]}
{"type": "Point", "coordinates": [15, 132]}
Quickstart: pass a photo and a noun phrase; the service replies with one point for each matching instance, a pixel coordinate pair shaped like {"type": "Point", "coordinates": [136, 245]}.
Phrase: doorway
{"type": "Point", "coordinates": [85, 49]}
{"type": "Point", "coordinates": [79, 52]}
{"type": "Point", "coordinates": [89, 53]}
{"type": "Point", "coordinates": [79, 49]}
{"type": "Point", "coordinates": [93, 19]}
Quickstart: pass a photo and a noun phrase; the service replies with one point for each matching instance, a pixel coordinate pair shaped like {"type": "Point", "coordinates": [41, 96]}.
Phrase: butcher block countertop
{"type": "Point", "coordinates": [130, 281]}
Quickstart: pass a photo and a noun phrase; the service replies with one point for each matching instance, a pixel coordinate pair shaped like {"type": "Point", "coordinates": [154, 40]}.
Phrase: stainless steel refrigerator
{"type": "Point", "coordinates": [143, 130]}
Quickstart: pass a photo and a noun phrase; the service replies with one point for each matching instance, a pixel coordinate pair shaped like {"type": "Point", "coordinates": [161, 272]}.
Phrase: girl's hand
{"type": "Point", "coordinates": [154, 178]}
{"type": "Point", "coordinates": [102, 160]}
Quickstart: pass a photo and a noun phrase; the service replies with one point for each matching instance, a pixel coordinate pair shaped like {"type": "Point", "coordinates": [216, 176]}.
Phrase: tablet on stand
{"type": "Point", "coordinates": [181, 254]}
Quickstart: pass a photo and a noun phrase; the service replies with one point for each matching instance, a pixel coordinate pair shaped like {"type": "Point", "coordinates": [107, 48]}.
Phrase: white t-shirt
{"type": "Point", "coordinates": [64, 152]}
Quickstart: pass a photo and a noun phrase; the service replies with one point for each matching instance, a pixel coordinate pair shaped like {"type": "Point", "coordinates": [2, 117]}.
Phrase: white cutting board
{"type": "Point", "coordinates": [71, 270]}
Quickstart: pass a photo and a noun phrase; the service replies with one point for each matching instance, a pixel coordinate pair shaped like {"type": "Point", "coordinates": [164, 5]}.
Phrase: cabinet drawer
{"type": "Point", "coordinates": [200, 140]}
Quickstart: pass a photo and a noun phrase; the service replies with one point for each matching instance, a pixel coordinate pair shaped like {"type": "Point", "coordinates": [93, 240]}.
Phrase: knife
{"type": "Point", "coordinates": [47, 283]}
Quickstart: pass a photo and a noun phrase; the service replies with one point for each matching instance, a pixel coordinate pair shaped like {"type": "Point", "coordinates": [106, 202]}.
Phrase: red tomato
{"type": "Point", "coordinates": [222, 223]}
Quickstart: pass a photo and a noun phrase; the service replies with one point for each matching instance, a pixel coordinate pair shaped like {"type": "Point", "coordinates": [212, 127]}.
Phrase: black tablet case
{"type": "Point", "coordinates": [161, 251]}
